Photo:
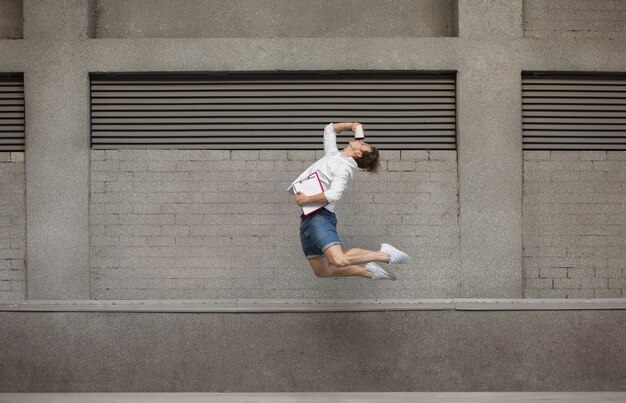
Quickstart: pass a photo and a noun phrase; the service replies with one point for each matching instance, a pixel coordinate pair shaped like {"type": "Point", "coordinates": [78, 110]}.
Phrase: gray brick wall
{"type": "Point", "coordinates": [12, 226]}
{"type": "Point", "coordinates": [601, 19]}
{"type": "Point", "coordinates": [574, 216]}
{"type": "Point", "coordinates": [181, 224]}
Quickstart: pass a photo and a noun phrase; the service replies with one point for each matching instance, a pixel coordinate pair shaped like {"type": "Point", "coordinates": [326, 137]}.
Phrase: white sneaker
{"type": "Point", "coordinates": [378, 273]}
{"type": "Point", "coordinates": [395, 256]}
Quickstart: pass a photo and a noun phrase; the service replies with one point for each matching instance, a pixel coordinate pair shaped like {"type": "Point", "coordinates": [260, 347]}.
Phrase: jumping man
{"type": "Point", "coordinates": [318, 231]}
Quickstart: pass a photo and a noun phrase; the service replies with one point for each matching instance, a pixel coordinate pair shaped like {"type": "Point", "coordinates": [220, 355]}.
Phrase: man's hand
{"type": "Point", "coordinates": [301, 199]}
{"type": "Point", "coordinates": [354, 125]}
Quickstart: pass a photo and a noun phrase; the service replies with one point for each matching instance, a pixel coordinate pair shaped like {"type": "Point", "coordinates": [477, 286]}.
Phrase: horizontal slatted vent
{"type": "Point", "coordinates": [11, 113]}
{"type": "Point", "coordinates": [271, 110]}
{"type": "Point", "coordinates": [573, 112]}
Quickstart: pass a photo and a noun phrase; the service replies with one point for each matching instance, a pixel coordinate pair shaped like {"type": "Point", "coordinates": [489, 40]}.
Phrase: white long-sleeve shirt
{"type": "Point", "coordinates": [335, 170]}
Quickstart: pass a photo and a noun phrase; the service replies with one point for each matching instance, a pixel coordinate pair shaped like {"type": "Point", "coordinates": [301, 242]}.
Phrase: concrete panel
{"type": "Point", "coordinates": [246, 54]}
{"type": "Point", "coordinates": [572, 55]}
{"type": "Point", "coordinates": [489, 19]}
{"type": "Point", "coordinates": [13, 57]}
{"type": "Point", "coordinates": [272, 18]}
{"type": "Point", "coordinates": [60, 19]}
{"type": "Point", "coordinates": [313, 352]}
{"type": "Point", "coordinates": [57, 178]}
{"type": "Point", "coordinates": [11, 20]}
{"type": "Point", "coordinates": [490, 179]}
{"type": "Point", "coordinates": [120, 55]}
{"type": "Point", "coordinates": [557, 19]}
{"type": "Point", "coordinates": [57, 145]}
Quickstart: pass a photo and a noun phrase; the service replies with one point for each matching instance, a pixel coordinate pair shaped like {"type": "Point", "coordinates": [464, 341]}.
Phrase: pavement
{"type": "Point", "coordinates": [395, 397]}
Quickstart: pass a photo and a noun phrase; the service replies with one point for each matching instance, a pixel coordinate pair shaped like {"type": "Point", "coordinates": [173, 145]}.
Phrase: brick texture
{"type": "Point", "coordinates": [561, 19]}
{"type": "Point", "coordinates": [219, 224]}
{"type": "Point", "coordinates": [574, 224]}
{"type": "Point", "coordinates": [12, 226]}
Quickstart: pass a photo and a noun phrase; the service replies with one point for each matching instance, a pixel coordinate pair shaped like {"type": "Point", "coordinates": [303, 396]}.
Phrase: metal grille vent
{"type": "Point", "coordinates": [270, 110]}
{"type": "Point", "coordinates": [11, 113]}
{"type": "Point", "coordinates": [573, 112]}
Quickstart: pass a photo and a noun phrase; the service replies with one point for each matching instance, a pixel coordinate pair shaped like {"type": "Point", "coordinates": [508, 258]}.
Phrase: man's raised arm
{"type": "Point", "coordinates": [340, 127]}
{"type": "Point", "coordinates": [330, 135]}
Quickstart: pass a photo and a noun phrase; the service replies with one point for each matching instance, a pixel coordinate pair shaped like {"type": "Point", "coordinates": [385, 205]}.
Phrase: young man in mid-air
{"type": "Point", "coordinates": [318, 231]}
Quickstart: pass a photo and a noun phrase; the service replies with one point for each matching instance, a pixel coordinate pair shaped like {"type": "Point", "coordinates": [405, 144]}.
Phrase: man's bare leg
{"type": "Point", "coordinates": [355, 256]}
{"type": "Point", "coordinates": [322, 268]}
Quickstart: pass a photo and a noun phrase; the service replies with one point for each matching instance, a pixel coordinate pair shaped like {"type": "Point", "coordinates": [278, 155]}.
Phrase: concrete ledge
{"type": "Point", "coordinates": [383, 351]}
{"type": "Point", "coordinates": [442, 53]}
{"type": "Point", "coordinates": [391, 397]}
{"type": "Point", "coordinates": [313, 305]}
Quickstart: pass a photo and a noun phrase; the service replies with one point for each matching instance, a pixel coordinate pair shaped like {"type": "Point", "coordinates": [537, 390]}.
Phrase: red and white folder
{"type": "Point", "coordinates": [310, 186]}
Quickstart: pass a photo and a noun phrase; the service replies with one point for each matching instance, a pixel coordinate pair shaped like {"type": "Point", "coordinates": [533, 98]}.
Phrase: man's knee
{"type": "Point", "coordinates": [320, 268]}
{"type": "Point", "coordinates": [338, 260]}
{"type": "Point", "coordinates": [321, 273]}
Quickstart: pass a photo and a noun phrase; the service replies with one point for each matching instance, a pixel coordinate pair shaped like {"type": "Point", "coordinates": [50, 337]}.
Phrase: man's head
{"type": "Point", "coordinates": [366, 156]}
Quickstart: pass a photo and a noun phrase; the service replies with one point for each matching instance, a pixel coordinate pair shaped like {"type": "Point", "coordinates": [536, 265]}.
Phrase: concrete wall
{"type": "Point", "coordinates": [426, 350]}
{"type": "Point", "coordinates": [555, 19]}
{"type": "Point", "coordinates": [575, 224]}
{"type": "Point", "coordinates": [12, 227]}
{"type": "Point", "coordinates": [313, 352]}
{"type": "Point", "coordinates": [272, 18]}
{"type": "Point", "coordinates": [478, 256]}
{"type": "Point", "coordinates": [11, 20]}
{"type": "Point", "coordinates": [185, 224]}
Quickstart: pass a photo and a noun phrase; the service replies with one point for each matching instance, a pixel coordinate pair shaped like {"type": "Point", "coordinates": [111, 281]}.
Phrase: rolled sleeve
{"type": "Point", "coordinates": [330, 140]}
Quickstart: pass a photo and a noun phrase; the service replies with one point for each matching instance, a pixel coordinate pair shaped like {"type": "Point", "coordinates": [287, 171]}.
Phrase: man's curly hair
{"type": "Point", "coordinates": [369, 161]}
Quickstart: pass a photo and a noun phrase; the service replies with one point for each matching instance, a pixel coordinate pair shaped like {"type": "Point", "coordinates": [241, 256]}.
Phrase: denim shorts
{"type": "Point", "coordinates": [318, 232]}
